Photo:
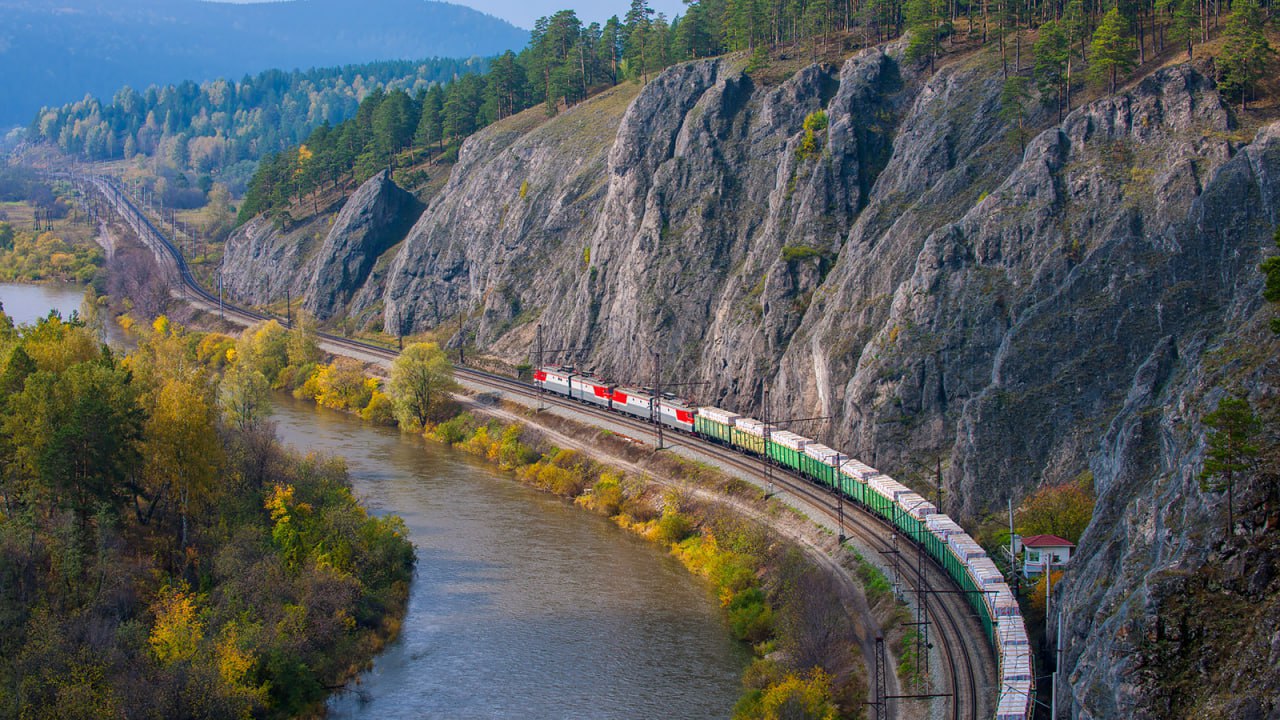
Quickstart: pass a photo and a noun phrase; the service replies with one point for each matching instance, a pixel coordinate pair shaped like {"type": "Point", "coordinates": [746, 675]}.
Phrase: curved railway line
{"type": "Point", "coordinates": [953, 628]}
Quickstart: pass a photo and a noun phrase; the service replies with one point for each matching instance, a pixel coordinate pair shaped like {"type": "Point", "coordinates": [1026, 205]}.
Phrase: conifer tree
{"type": "Point", "coordinates": [1246, 52]}
{"type": "Point", "coordinates": [1111, 51]}
{"type": "Point", "coordinates": [1231, 449]}
{"type": "Point", "coordinates": [1052, 51]}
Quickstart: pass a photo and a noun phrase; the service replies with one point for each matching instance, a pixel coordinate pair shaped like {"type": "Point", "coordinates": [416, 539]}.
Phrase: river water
{"type": "Point", "coordinates": [522, 606]}
{"type": "Point", "coordinates": [28, 303]}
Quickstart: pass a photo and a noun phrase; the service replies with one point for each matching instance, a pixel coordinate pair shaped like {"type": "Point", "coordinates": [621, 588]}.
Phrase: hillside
{"type": "Point", "coordinates": [869, 240]}
{"type": "Point", "coordinates": [55, 53]}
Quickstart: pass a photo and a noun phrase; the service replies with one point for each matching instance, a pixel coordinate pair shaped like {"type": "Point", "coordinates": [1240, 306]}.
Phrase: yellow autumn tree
{"type": "Point", "coordinates": [1063, 510]}
{"type": "Point", "coordinates": [794, 697]}
{"type": "Point", "coordinates": [182, 450]}
{"type": "Point", "coordinates": [178, 630]}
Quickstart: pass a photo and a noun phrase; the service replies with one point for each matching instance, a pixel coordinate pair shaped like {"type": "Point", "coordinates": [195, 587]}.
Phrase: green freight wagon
{"type": "Point", "coordinates": [914, 510]}
{"type": "Point", "coordinates": [820, 462]}
{"type": "Point", "coordinates": [940, 528]}
{"type": "Point", "coordinates": [748, 434]}
{"type": "Point", "coordinates": [786, 448]}
{"type": "Point", "coordinates": [854, 475]}
{"type": "Point", "coordinates": [715, 423]}
{"type": "Point", "coordinates": [880, 503]}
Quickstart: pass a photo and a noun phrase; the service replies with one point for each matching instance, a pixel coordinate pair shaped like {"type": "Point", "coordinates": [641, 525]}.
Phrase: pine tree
{"type": "Point", "coordinates": [923, 17]}
{"type": "Point", "coordinates": [430, 125]}
{"type": "Point", "coordinates": [1184, 21]}
{"type": "Point", "coordinates": [1013, 96]}
{"type": "Point", "coordinates": [1245, 53]}
{"type": "Point", "coordinates": [1111, 51]}
{"type": "Point", "coordinates": [1231, 451]}
{"type": "Point", "coordinates": [1052, 51]}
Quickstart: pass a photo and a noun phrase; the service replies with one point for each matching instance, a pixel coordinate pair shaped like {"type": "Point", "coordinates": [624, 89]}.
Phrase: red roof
{"type": "Point", "coordinates": [1046, 541]}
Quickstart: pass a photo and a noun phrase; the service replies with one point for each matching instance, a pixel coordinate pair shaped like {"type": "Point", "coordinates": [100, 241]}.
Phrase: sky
{"type": "Point", "coordinates": [525, 12]}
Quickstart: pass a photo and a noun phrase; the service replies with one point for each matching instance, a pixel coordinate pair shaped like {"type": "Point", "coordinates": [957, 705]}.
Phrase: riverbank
{"type": "Point", "coordinates": [183, 564]}
{"type": "Point", "coordinates": [768, 611]}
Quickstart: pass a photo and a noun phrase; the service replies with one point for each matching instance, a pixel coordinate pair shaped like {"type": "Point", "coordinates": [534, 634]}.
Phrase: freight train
{"type": "Point", "coordinates": [918, 519]}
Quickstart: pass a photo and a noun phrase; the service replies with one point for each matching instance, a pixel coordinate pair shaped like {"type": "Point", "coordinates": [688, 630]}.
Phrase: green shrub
{"type": "Point", "coordinates": [796, 253]}
{"type": "Point", "coordinates": [455, 430]}
{"type": "Point", "coordinates": [673, 527]}
{"type": "Point", "coordinates": [750, 617]}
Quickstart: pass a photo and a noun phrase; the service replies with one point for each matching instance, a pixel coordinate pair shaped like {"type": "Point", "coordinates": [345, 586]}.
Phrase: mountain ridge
{"type": "Point", "coordinates": [81, 47]}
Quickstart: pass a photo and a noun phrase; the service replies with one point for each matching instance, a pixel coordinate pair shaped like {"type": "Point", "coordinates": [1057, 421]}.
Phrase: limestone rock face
{"type": "Point", "coordinates": [1023, 315]}
{"type": "Point", "coordinates": [263, 261]}
{"type": "Point", "coordinates": [373, 220]}
{"type": "Point", "coordinates": [330, 263]}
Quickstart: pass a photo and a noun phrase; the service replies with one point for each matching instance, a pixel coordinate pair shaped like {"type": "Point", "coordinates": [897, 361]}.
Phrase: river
{"type": "Point", "coordinates": [522, 606]}
{"type": "Point", "coordinates": [28, 303]}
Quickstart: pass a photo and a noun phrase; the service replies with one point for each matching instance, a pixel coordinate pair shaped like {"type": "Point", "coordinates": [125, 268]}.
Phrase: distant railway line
{"type": "Point", "coordinates": [952, 626]}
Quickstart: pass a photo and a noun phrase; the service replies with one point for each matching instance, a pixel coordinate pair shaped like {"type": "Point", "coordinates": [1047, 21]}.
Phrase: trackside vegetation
{"type": "Point", "coordinates": [160, 554]}
{"type": "Point", "coordinates": [773, 597]}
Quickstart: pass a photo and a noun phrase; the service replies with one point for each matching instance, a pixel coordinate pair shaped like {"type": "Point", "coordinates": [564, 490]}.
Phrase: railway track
{"type": "Point", "coordinates": [954, 630]}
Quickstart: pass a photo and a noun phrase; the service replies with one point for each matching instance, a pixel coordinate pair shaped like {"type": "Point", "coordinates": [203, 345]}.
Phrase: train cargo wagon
{"type": "Point", "coordinates": [553, 379]}
{"type": "Point", "coordinates": [786, 448]}
{"type": "Point", "coordinates": [850, 484]}
{"type": "Point", "coordinates": [1011, 632]}
{"type": "Point", "coordinates": [591, 389]}
{"type": "Point", "coordinates": [889, 487]}
{"type": "Point", "coordinates": [913, 510]}
{"type": "Point", "coordinates": [748, 434]}
{"type": "Point", "coordinates": [676, 414]}
{"type": "Point", "coordinates": [820, 462]}
{"type": "Point", "coordinates": [715, 423]}
{"type": "Point", "coordinates": [879, 503]}
{"type": "Point", "coordinates": [859, 473]}
{"type": "Point", "coordinates": [1005, 605]}
{"type": "Point", "coordinates": [1014, 705]}
{"type": "Point", "coordinates": [633, 402]}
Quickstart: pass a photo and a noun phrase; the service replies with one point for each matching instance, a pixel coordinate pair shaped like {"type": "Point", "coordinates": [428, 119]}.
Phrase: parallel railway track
{"type": "Point", "coordinates": [955, 631]}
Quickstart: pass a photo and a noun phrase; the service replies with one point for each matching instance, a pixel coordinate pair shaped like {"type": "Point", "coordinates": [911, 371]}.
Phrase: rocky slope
{"type": "Point", "coordinates": [328, 262]}
{"type": "Point", "coordinates": [1026, 316]}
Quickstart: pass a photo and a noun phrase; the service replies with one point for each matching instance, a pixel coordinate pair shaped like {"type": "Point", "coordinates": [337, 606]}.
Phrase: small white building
{"type": "Point", "coordinates": [1042, 550]}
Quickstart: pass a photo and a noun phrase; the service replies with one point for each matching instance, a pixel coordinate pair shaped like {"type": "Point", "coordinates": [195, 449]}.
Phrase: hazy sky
{"type": "Point", "coordinates": [524, 12]}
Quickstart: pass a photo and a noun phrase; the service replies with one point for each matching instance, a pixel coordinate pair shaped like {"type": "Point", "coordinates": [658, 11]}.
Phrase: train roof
{"type": "Point", "coordinates": [720, 415]}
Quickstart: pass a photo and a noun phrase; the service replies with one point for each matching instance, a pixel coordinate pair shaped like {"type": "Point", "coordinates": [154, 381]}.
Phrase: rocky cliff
{"type": "Point", "coordinates": [331, 263]}
{"type": "Point", "coordinates": [1025, 315]}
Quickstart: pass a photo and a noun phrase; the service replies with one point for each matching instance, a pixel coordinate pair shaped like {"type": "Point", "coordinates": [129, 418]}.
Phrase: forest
{"type": "Point", "coordinates": [1047, 50]}
{"type": "Point", "coordinates": [221, 128]}
{"type": "Point", "coordinates": [160, 554]}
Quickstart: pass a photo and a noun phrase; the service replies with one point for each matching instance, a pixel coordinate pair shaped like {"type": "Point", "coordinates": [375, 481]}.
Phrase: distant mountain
{"type": "Point", "coordinates": [57, 51]}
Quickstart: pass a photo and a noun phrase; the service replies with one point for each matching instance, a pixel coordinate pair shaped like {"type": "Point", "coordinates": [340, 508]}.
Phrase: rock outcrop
{"type": "Point", "coordinates": [330, 263]}
{"type": "Point", "coordinates": [373, 220]}
{"type": "Point", "coordinates": [1024, 315]}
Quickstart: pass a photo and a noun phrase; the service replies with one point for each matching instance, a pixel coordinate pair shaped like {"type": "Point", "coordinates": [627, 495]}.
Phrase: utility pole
{"type": "Point", "coordinates": [1057, 665]}
{"type": "Point", "coordinates": [835, 485]}
{"type": "Point", "coordinates": [288, 308]}
{"type": "Point", "coordinates": [462, 340]}
{"type": "Point", "coordinates": [538, 367]}
{"type": "Point", "coordinates": [768, 466]}
{"type": "Point", "coordinates": [939, 483]}
{"type": "Point", "coordinates": [657, 395]}
{"type": "Point", "coordinates": [220, 311]}
{"type": "Point", "coordinates": [1013, 556]}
